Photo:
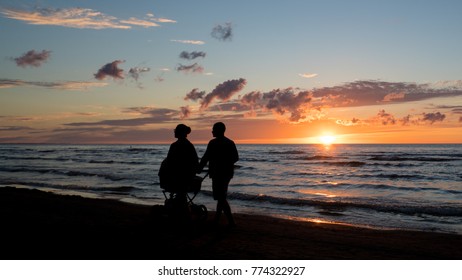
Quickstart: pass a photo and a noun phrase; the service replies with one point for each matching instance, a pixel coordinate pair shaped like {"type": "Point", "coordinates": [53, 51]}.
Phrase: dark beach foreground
{"type": "Point", "coordinates": [42, 225]}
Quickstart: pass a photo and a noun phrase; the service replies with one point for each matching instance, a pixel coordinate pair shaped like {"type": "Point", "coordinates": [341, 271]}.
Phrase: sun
{"type": "Point", "coordinates": [327, 139]}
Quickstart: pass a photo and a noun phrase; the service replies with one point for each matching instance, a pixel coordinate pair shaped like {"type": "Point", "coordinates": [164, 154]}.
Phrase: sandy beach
{"type": "Point", "coordinates": [42, 225]}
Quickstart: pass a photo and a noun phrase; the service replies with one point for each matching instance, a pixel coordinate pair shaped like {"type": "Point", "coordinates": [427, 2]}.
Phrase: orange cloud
{"type": "Point", "coordinates": [393, 96]}
{"type": "Point", "coordinates": [80, 18]}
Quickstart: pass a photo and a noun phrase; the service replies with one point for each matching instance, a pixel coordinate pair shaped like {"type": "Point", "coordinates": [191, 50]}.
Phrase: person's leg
{"type": "Point", "coordinates": [227, 210]}
{"type": "Point", "coordinates": [218, 212]}
{"type": "Point", "coordinates": [220, 191]}
{"type": "Point", "coordinates": [216, 191]}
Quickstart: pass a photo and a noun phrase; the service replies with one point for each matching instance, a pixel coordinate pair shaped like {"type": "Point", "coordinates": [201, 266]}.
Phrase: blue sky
{"type": "Point", "coordinates": [365, 71]}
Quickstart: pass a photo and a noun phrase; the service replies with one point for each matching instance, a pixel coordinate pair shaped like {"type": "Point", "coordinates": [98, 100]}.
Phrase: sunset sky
{"type": "Point", "coordinates": [273, 71]}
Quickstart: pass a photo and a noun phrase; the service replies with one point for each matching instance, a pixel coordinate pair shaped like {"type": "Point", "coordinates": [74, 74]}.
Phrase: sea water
{"type": "Point", "coordinates": [413, 187]}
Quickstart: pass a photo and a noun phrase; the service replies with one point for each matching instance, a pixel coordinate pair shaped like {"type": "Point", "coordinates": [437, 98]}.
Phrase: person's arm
{"type": "Point", "coordinates": [235, 154]}
{"type": "Point", "coordinates": [204, 160]}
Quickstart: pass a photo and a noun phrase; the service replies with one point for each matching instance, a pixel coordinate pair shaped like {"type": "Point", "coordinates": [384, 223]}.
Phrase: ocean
{"type": "Point", "coordinates": [411, 187]}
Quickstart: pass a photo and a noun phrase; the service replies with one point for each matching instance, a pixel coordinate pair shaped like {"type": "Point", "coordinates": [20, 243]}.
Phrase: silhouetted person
{"type": "Point", "coordinates": [179, 168]}
{"type": "Point", "coordinates": [221, 154]}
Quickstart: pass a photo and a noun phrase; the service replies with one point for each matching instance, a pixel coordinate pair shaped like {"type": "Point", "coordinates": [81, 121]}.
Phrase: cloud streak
{"type": "Point", "coordinates": [191, 42]}
{"type": "Point", "coordinates": [68, 85]}
{"type": "Point", "coordinates": [32, 58]}
{"type": "Point", "coordinates": [149, 115]}
{"type": "Point", "coordinates": [81, 18]}
{"type": "Point", "coordinates": [308, 75]}
{"type": "Point", "coordinates": [364, 93]}
{"type": "Point", "coordinates": [139, 22]}
{"type": "Point", "coordinates": [160, 20]}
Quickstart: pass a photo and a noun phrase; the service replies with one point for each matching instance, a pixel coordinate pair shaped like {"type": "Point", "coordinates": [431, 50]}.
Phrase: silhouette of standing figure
{"type": "Point", "coordinates": [221, 154]}
{"type": "Point", "coordinates": [179, 167]}
{"type": "Point", "coordinates": [182, 157]}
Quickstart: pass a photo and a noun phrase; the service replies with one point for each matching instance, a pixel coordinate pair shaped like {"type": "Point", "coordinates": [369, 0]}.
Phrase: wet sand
{"type": "Point", "coordinates": [42, 225]}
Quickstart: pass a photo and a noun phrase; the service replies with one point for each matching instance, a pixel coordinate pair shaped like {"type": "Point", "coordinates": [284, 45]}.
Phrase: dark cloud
{"type": "Point", "coordinates": [185, 112]}
{"type": "Point", "coordinates": [296, 104]}
{"type": "Point", "coordinates": [433, 117]}
{"type": "Point", "coordinates": [193, 68]}
{"type": "Point", "coordinates": [223, 91]}
{"type": "Point", "coordinates": [110, 69]}
{"type": "Point", "coordinates": [195, 95]}
{"type": "Point", "coordinates": [407, 120]}
{"type": "Point", "coordinates": [386, 118]}
{"type": "Point", "coordinates": [282, 101]}
{"type": "Point", "coordinates": [222, 32]}
{"type": "Point", "coordinates": [32, 58]}
{"type": "Point", "coordinates": [135, 72]}
{"type": "Point", "coordinates": [191, 55]}
{"type": "Point", "coordinates": [252, 98]}
{"type": "Point", "coordinates": [15, 128]}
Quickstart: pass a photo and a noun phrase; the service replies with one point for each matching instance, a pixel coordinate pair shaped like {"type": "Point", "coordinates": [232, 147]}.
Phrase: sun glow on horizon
{"type": "Point", "coordinates": [327, 139]}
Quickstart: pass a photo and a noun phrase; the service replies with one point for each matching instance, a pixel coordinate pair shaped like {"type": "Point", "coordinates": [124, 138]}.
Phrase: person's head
{"type": "Point", "coordinates": [218, 129]}
{"type": "Point", "coordinates": [182, 131]}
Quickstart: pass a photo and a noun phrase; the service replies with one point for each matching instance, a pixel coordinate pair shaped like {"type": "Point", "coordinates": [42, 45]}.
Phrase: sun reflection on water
{"type": "Point", "coordinates": [312, 220]}
{"type": "Point", "coordinates": [323, 193]}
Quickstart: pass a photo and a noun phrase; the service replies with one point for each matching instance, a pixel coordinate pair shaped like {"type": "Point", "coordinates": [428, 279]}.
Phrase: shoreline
{"type": "Point", "coordinates": [43, 225]}
{"type": "Point", "coordinates": [143, 203]}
